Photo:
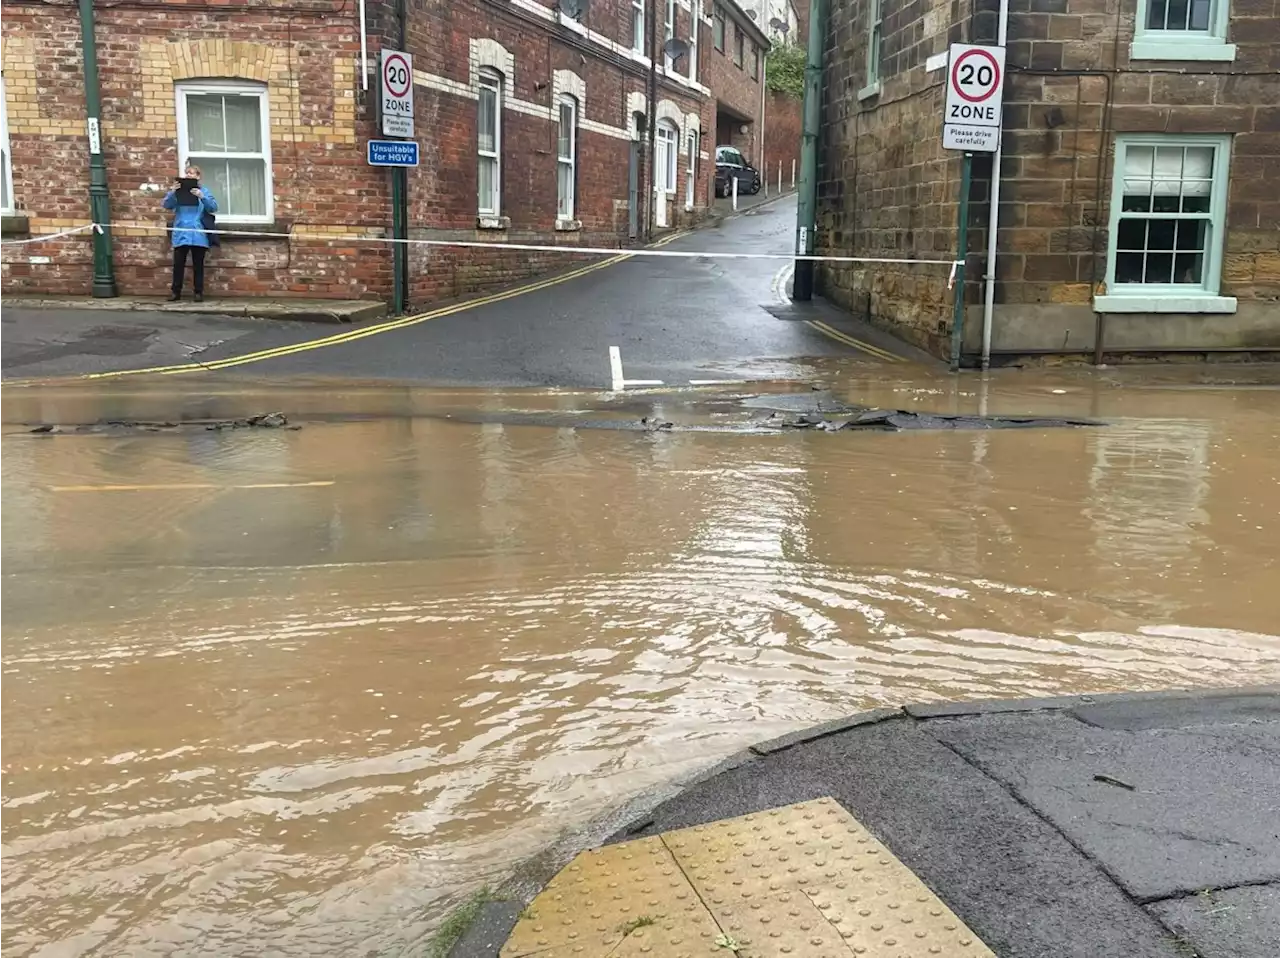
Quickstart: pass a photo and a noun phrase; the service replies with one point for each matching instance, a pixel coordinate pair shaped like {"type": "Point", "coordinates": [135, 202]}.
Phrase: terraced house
{"type": "Point", "coordinates": [1138, 209]}
{"type": "Point", "coordinates": [533, 124]}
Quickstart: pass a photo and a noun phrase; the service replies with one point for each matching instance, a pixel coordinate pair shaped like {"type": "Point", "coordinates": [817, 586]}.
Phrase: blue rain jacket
{"type": "Point", "coordinates": [187, 219]}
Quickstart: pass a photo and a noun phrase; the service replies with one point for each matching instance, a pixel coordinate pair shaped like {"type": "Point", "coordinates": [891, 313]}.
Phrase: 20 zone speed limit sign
{"type": "Point", "coordinates": [975, 83]}
{"type": "Point", "coordinates": [397, 93]}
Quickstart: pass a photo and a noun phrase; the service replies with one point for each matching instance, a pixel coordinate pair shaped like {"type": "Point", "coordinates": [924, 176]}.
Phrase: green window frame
{"type": "Point", "coordinates": [1182, 30]}
{"type": "Point", "coordinates": [1167, 224]}
{"type": "Point", "coordinates": [875, 41]}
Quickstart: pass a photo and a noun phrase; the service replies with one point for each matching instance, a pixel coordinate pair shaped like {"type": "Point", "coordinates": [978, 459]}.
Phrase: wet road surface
{"type": "Point", "coordinates": [673, 320]}
{"type": "Point", "coordinates": [297, 692]}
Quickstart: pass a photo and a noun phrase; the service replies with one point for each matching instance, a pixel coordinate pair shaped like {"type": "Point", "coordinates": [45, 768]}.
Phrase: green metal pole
{"type": "Point", "coordinates": [807, 204]}
{"type": "Point", "coordinates": [104, 278]}
{"type": "Point", "coordinates": [962, 254]}
{"type": "Point", "coordinates": [399, 251]}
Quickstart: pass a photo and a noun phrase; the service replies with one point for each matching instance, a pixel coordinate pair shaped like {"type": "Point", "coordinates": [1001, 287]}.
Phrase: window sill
{"type": "Point", "coordinates": [568, 226]}
{"type": "Point", "coordinates": [1152, 303]}
{"type": "Point", "coordinates": [15, 224]}
{"type": "Point", "coordinates": [252, 232]}
{"type": "Point", "coordinates": [486, 222]}
{"type": "Point", "coordinates": [1190, 49]}
{"type": "Point", "coordinates": [868, 91]}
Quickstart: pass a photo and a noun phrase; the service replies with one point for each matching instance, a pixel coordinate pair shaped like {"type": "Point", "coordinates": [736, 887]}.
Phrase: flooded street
{"type": "Point", "coordinates": [299, 692]}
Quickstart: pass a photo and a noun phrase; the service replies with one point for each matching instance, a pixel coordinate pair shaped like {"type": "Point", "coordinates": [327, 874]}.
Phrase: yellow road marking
{"type": "Point", "coordinates": [170, 486]}
{"type": "Point", "coordinates": [334, 340]}
{"type": "Point", "coordinates": [851, 341]}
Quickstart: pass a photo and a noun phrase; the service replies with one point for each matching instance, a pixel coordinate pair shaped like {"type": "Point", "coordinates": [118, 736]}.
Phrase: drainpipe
{"type": "Point", "coordinates": [651, 122]}
{"type": "Point", "coordinates": [760, 157]}
{"type": "Point", "coordinates": [104, 278]}
{"type": "Point", "coordinates": [993, 216]}
{"type": "Point", "coordinates": [806, 213]}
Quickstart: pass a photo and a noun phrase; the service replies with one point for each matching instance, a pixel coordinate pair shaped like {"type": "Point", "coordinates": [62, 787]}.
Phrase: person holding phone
{"type": "Point", "coordinates": [190, 202]}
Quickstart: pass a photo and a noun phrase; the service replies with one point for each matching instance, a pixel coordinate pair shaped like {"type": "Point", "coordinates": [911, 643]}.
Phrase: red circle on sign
{"type": "Point", "coordinates": [386, 71]}
{"type": "Point", "coordinates": [955, 71]}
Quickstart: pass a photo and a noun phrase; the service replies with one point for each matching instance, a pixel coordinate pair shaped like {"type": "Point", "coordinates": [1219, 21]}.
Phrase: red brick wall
{"type": "Point", "coordinates": [321, 181]}
{"type": "Point", "coordinates": [783, 122]}
{"type": "Point", "coordinates": [733, 87]}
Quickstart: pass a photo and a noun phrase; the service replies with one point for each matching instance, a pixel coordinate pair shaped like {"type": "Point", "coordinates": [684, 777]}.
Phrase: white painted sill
{"type": "Point", "coordinates": [1208, 48]}
{"type": "Point", "coordinates": [485, 222]}
{"type": "Point", "coordinates": [1134, 303]}
{"type": "Point", "coordinates": [868, 91]}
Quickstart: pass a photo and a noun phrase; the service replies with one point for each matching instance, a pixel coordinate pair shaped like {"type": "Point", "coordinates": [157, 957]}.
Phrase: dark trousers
{"type": "Point", "coordinates": [180, 267]}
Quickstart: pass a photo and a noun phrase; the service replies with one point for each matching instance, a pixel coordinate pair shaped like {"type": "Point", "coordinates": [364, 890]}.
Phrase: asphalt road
{"type": "Point", "coordinates": [674, 320]}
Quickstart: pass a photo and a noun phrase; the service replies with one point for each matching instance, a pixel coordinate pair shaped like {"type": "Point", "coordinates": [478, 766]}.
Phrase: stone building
{"type": "Point", "coordinates": [532, 128]}
{"type": "Point", "coordinates": [1138, 194]}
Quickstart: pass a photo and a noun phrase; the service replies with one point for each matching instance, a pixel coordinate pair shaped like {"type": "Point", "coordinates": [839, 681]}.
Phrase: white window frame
{"type": "Point", "coordinates": [185, 88]}
{"type": "Point", "coordinates": [565, 210]}
{"type": "Point", "coordinates": [637, 26]}
{"type": "Point", "coordinates": [669, 135]}
{"type": "Point", "coordinates": [1162, 44]}
{"type": "Point", "coordinates": [491, 79]}
{"type": "Point", "coordinates": [669, 29]}
{"type": "Point", "coordinates": [875, 46]}
{"type": "Point", "coordinates": [8, 204]}
{"type": "Point", "coordinates": [696, 15]}
{"type": "Point", "coordinates": [1171, 297]}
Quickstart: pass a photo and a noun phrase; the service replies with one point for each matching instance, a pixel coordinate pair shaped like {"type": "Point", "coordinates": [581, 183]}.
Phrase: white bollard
{"type": "Point", "coordinates": [734, 187]}
{"type": "Point", "coordinates": [779, 177]}
{"type": "Point", "coordinates": [793, 174]}
{"type": "Point", "coordinates": [764, 180]}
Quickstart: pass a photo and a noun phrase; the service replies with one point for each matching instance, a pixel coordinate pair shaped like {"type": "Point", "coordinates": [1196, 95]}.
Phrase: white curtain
{"type": "Point", "coordinates": [219, 124]}
{"type": "Point", "coordinates": [1168, 170]}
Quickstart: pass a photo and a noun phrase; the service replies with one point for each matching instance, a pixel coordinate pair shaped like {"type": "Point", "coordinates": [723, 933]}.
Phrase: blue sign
{"type": "Point", "coordinates": [393, 153]}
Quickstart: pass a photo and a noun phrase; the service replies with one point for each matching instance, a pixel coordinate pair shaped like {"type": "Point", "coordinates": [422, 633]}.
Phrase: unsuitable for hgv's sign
{"type": "Point", "coordinates": [397, 93]}
{"type": "Point", "coordinates": [975, 87]}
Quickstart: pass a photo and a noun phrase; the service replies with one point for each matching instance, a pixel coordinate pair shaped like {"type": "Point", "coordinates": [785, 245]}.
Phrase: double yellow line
{"type": "Point", "coordinates": [339, 338]}
{"type": "Point", "coordinates": [848, 340]}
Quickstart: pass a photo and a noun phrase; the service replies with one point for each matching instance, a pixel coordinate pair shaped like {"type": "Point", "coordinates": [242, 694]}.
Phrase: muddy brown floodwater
{"type": "Point", "coordinates": [298, 692]}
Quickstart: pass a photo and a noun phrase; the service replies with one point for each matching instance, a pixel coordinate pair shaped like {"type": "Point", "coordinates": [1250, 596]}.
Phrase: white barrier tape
{"type": "Point", "coordinates": [53, 236]}
{"type": "Point", "coordinates": [537, 248]}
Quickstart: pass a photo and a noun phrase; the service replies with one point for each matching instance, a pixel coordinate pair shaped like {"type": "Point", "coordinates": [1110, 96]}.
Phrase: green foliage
{"type": "Point", "coordinates": [784, 70]}
{"type": "Point", "coordinates": [456, 923]}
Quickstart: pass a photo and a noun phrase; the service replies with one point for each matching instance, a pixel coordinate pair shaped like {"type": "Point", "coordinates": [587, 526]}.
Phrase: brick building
{"type": "Point", "coordinates": [1138, 199]}
{"type": "Point", "coordinates": [532, 128]}
{"type": "Point", "coordinates": [735, 74]}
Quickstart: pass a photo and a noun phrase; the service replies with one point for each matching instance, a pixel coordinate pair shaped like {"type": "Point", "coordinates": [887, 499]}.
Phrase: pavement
{"type": "Point", "coordinates": [673, 321]}
{"type": "Point", "coordinates": [1113, 826]}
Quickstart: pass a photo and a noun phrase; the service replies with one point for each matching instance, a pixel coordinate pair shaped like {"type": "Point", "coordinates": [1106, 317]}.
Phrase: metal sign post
{"type": "Point", "coordinates": [970, 122]}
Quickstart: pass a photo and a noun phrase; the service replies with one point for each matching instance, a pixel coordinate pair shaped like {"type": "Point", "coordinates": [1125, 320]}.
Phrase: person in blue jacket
{"type": "Point", "coordinates": [189, 234]}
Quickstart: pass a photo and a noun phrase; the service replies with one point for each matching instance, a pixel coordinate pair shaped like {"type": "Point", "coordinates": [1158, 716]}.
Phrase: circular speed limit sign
{"type": "Point", "coordinates": [397, 76]}
{"type": "Point", "coordinates": [975, 82]}
{"type": "Point", "coordinates": [975, 75]}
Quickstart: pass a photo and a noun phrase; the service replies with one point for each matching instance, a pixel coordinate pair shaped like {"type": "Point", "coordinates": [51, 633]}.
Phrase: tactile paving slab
{"type": "Point", "coordinates": [804, 880]}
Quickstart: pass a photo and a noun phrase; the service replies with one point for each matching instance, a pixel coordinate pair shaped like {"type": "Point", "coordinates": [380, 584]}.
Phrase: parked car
{"type": "Point", "coordinates": [731, 165]}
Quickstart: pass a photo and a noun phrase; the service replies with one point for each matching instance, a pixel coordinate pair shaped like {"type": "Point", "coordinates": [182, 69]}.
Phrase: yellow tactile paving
{"type": "Point", "coordinates": [607, 897]}
{"type": "Point", "coordinates": [806, 880]}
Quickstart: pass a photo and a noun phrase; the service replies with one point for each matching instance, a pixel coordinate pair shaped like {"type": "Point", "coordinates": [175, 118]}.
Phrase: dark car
{"type": "Point", "coordinates": [731, 165]}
